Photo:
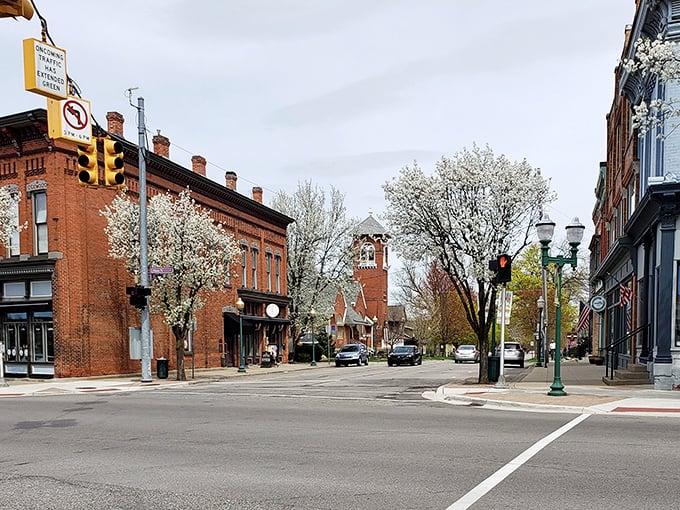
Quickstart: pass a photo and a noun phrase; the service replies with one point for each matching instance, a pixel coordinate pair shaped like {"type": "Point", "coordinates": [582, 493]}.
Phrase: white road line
{"type": "Point", "coordinates": [480, 490]}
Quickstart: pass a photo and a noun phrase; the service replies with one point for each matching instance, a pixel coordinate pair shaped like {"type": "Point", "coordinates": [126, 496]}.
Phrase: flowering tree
{"type": "Point", "coordinates": [319, 250]}
{"type": "Point", "coordinates": [473, 207]}
{"type": "Point", "coordinates": [9, 221]}
{"type": "Point", "coordinates": [656, 59]}
{"type": "Point", "coordinates": [183, 236]}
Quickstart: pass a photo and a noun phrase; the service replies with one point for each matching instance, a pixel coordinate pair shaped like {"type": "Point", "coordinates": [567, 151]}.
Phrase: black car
{"type": "Point", "coordinates": [405, 355]}
{"type": "Point", "coordinates": [352, 354]}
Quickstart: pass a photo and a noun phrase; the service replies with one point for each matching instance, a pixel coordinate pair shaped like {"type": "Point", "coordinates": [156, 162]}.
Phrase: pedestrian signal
{"type": "Point", "coordinates": [504, 273]}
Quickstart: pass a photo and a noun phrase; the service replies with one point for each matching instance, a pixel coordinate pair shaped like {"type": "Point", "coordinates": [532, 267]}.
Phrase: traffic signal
{"type": "Point", "coordinates": [113, 163]}
{"type": "Point", "coordinates": [504, 273]}
{"type": "Point", "coordinates": [88, 170]}
{"type": "Point", "coordinates": [138, 296]}
{"type": "Point", "coordinates": [13, 8]}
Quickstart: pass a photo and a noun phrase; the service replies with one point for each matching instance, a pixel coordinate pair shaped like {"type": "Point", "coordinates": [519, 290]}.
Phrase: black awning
{"type": "Point", "coordinates": [253, 319]}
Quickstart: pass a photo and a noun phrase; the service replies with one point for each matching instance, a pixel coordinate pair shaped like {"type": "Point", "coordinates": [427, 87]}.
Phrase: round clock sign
{"type": "Point", "coordinates": [272, 310]}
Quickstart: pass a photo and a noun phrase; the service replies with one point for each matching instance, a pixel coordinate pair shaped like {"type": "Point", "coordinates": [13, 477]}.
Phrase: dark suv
{"type": "Point", "coordinates": [351, 354]}
{"type": "Point", "coordinates": [405, 355]}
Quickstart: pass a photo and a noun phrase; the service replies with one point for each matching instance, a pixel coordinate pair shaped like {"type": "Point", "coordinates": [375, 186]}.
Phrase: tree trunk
{"type": "Point", "coordinates": [179, 353]}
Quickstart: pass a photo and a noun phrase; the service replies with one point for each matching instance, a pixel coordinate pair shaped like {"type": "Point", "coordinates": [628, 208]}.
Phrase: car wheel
{"type": "Point", "coordinates": [389, 363]}
{"type": "Point", "coordinates": [420, 361]}
{"type": "Point", "coordinates": [521, 365]}
{"type": "Point", "coordinates": [337, 365]}
{"type": "Point", "coordinates": [366, 362]}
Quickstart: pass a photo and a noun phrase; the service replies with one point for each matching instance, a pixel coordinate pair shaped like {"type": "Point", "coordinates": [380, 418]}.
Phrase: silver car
{"type": "Point", "coordinates": [466, 353]}
{"type": "Point", "coordinates": [352, 354]}
{"type": "Point", "coordinates": [513, 354]}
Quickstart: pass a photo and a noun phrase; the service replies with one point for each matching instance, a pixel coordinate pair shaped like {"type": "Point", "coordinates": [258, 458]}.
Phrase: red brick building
{"type": "Point", "coordinates": [64, 311]}
{"type": "Point", "coordinates": [363, 316]}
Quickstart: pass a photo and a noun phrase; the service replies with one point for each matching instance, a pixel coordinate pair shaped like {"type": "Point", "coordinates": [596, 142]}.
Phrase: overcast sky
{"type": "Point", "coordinates": [346, 92]}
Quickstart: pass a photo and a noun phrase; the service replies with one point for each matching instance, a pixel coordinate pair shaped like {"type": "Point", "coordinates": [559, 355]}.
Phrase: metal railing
{"type": "Point", "coordinates": [612, 361]}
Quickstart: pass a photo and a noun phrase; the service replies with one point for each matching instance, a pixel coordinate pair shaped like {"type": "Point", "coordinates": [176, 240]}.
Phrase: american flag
{"type": "Point", "coordinates": [625, 294]}
{"type": "Point", "coordinates": [583, 318]}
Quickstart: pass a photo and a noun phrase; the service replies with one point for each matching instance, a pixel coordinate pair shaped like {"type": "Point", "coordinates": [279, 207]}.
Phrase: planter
{"type": "Point", "coordinates": [596, 360]}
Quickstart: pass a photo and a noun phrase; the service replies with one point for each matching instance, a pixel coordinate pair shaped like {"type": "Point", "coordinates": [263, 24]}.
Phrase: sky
{"type": "Point", "coordinates": [345, 93]}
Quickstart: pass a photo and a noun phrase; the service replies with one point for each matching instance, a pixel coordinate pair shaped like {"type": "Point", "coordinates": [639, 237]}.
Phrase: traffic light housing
{"type": "Point", "coordinates": [88, 169]}
{"type": "Point", "coordinates": [14, 8]}
{"type": "Point", "coordinates": [504, 271]}
{"type": "Point", "coordinates": [138, 296]}
{"type": "Point", "coordinates": [113, 163]}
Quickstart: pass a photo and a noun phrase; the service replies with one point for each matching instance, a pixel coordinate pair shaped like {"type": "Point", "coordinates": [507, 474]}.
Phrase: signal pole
{"type": "Point", "coordinates": [143, 244]}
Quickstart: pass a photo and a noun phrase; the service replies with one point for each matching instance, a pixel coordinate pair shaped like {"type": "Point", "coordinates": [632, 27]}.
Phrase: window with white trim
{"type": "Point", "coordinates": [40, 222]}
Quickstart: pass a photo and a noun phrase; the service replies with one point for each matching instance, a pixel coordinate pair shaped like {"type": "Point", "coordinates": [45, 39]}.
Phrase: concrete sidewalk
{"type": "Point", "coordinates": [586, 393]}
{"type": "Point", "coordinates": [24, 387]}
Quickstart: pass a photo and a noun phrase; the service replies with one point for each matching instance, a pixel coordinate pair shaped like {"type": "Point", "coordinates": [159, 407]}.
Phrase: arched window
{"type": "Point", "coordinates": [367, 255]}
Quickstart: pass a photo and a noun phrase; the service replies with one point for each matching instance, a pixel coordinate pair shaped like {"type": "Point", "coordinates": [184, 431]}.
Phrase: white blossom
{"type": "Point", "coordinates": [9, 223]}
{"type": "Point", "coordinates": [658, 59]}
{"type": "Point", "coordinates": [183, 236]}
{"type": "Point", "coordinates": [474, 207]}
{"type": "Point", "coordinates": [319, 250]}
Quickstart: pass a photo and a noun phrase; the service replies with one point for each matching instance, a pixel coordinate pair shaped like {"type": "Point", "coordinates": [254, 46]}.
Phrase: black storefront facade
{"type": "Point", "coordinates": [265, 327]}
{"type": "Point", "coordinates": [26, 318]}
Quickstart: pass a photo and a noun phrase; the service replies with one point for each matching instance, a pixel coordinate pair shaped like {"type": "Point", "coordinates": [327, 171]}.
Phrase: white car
{"type": "Point", "coordinates": [466, 353]}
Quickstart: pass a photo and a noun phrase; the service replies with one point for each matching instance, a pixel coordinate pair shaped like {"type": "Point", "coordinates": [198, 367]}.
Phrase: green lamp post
{"type": "Point", "coordinates": [312, 314]}
{"type": "Point", "coordinates": [242, 364]}
{"type": "Point", "coordinates": [545, 230]}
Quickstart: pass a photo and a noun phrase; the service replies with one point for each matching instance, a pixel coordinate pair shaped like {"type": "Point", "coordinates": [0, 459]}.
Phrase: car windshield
{"type": "Point", "coordinates": [402, 349]}
{"type": "Point", "coordinates": [466, 348]}
{"type": "Point", "coordinates": [350, 348]}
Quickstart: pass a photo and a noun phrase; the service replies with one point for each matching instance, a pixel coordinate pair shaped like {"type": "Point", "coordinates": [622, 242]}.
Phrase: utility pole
{"type": "Point", "coordinates": [143, 245]}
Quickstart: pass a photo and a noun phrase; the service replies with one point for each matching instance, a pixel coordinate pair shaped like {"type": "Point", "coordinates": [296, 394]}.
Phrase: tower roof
{"type": "Point", "coordinates": [371, 227]}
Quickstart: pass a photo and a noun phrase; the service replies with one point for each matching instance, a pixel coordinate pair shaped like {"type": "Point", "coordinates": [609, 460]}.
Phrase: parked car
{"type": "Point", "coordinates": [466, 353]}
{"type": "Point", "coordinates": [352, 354]}
{"type": "Point", "coordinates": [405, 355]}
{"type": "Point", "coordinates": [513, 354]}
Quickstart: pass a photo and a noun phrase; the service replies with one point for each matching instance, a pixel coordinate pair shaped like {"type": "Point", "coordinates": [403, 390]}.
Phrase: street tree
{"type": "Point", "coordinates": [9, 215]}
{"type": "Point", "coordinates": [319, 250]}
{"type": "Point", "coordinates": [181, 235]}
{"type": "Point", "coordinates": [473, 207]}
{"type": "Point", "coordinates": [657, 61]}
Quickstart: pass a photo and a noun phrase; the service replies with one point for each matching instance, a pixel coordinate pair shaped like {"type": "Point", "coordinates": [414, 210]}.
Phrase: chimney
{"type": "Point", "coordinates": [115, 122]}
{"type": "Point", "coordinates": [257, 194]}
{"type": "Point", "coordinates": [198, 165]}
{"type": "Point", "coordinates": [161, 145]}
{"type": "Point", "coordinates": [231, 178]}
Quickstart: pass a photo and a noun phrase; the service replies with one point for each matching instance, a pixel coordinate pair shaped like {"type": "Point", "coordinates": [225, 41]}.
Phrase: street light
{"type": "Point", "coordinates": [545, 230]}
{"type": "Point", "coordinates": [242, 364]}
{"type": "Point", "coordinates": [540, 304]}
{"type": "Point", "coordinates": [312, 314]}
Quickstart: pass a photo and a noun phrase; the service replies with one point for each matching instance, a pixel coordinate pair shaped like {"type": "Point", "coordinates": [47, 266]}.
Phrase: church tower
{"type": "Point", "coordinates": [371, 272]}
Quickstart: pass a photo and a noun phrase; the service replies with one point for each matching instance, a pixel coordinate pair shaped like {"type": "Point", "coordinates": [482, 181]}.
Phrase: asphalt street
{"type": "Point", "coordinates": [328, 438]}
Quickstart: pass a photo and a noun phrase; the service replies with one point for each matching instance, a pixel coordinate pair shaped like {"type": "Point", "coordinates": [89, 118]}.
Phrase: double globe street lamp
{"type": "Point", "coordinates": [242, 364]}
{"type": "Point", "coordinates": [312, 315]}
{"type": "Point", "coordinates": [545, 230]}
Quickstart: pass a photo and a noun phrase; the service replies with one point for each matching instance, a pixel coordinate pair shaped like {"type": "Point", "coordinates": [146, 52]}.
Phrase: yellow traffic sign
{"type": "Point", "coordinates": [45, 69]}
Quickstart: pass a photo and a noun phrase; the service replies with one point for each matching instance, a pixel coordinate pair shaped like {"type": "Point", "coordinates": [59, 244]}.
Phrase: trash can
{"type": "Point", "coordinates": [161, 368]}
{"type": "Point", "coordinates": [494, 368]}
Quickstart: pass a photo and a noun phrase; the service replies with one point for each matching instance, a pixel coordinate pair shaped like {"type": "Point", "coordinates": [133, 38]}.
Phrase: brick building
{"type": "Point", "coordinates": [363, 315]}
{"type": "Point", "coordinates": [637, 218]}
{"type": "Point", "coordinates": [64, 311]}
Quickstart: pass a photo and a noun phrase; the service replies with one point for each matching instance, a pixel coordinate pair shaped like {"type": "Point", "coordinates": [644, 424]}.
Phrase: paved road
{"type": "Point", "coordinates": [356, 437]}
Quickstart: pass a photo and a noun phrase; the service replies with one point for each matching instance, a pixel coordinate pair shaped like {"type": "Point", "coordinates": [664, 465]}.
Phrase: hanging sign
{"type": "Point", "coordinates": [45, 69]}
{"type": "Point", "coordinates": [69, 119]}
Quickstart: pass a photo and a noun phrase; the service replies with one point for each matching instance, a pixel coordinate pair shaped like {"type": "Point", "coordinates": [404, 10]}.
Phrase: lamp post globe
{"type": "Point", "coordinates": [241, 363]}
